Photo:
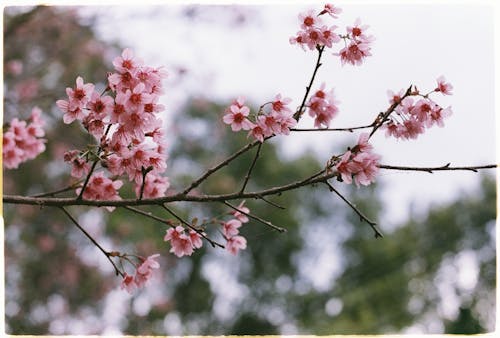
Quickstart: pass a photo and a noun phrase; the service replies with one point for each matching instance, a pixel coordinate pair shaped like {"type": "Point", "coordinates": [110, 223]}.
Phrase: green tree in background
{"type": "Point", "coordinates": [325, 275]}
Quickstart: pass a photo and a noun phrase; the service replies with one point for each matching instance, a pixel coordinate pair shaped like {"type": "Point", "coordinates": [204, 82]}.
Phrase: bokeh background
{"type": "Point", "coordinates": [433, 272]}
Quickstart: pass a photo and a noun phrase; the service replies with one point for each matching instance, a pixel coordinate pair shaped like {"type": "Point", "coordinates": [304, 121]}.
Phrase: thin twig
{"type": "Point", "coordinates": [385, 115]}
{"type": "Point", "coordinates": [271, 202]}
{"type": "Point", "coordinates": [190, 226]}
{"type": "Point", "coordinates": [430, 170]}
{"type": "Point", "coordinates": [247, 177]}
{"type": "Point", "coordinates": [55, 192]}
{"type": "Point", "coordinates": [353, 207]}
{"type": "Point", "coordinates": [333, 129]}
{"type": "Point", "coordinates": [300, 111]}
{"type": "Point", "coordinates": [91, 171]}
{"type": "Point", "coordinates": [106, 253]}
{"type": "Point", "coordinates": [263, 221]}
{"type": "Point", "coordinates": [212, 170]}
{"type": "Point", "coordinates": [150, 215]}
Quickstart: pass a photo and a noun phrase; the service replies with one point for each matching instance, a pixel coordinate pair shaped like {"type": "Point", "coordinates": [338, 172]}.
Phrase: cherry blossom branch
{"type": "Point", "coordinates": [263, 221]}
{"type": "Point", "coordinates": [55, 192]}
{"type": "Point", "coordinates": [247, 177]}
{"type": "Point", "coordinates": [446, 167]}
{"type": "Point", "coordinates": [383, 117]}
{"type": "Point", "coordinates": [300, 111]}
{"type": "Point", "coordinates": [91, 171]}
{"type": "Point", "coordinates": [106, 253]}
{"type": "Point", "coordinates": [318, 177]}
{"type": "Point", "coordinates": [190, 226]}
{"type": "Point", "coordinates": [351, 130]}
{"type": "Point", "coordinates": [362, 217]}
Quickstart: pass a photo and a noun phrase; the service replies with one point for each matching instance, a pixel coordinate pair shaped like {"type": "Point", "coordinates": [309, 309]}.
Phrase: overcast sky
{"type": "Point", "coordinates": [415, 43]}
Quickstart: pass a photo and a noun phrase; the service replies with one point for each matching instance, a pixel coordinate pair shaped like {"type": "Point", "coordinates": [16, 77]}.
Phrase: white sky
{"type": "Point", "coordinates": [415, 43]}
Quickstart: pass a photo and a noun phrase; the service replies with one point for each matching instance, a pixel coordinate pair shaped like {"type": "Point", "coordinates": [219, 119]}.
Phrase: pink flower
{"type": "Point", "coordinates": [237, 118]}
{"type": "Point", "coordinates": [230, 228]}
{"type": "Point", "coordinates": [145, 271]}
{"type": "Point", "coordinates": [280, 104]}
{"type": "Point", "coordinates": [260, 130]}
{"type": "Point", "coordinates": [354, 53]}
{"type": "Point", "coordinates": [180, 242]}
{"type": "Point", "coordinates": [323, 107]}
{"type": "Point", "coordinates": [126, 62]}
{"type": "Point", "coordinates": [363, 145]}
{"type": "Point", "coordinates": [239, 215]}
{"type": "Point", "coordinates": [195, 238]}
{"type": "Point", "coordinates": [361, 165]}
{"type": "Point", "coordinates": [443, 86]}
{"type": "Point", "coordinates": [22, 141]}
{"type": "Point", "coordinates": [395, 97]}
{"type": "Point", "coordinates": [309, 19]}
{"type": "Point", "coordinates": [100, 106]}
{"type": "Point", "coordinates": [328, 37]}
{"type": "Point", "coordinates": [70, 114]}
{"type": "Point", "coordinates": [128, 283]}
{"type": "Point", "coordinates": [155, 186]}
{"type": "Point", "coordinates": [357, 32]}
{"type": "Point", "coordinates": [236, 243]}
{"type": "Point", "coordinates": [331, 10]}
{"type": "Point", "coordinates": [101, 188]}
{"type": "Point", "coordinates": [368, 168]}
{"type": "Point", "coordinates": [80, 95]}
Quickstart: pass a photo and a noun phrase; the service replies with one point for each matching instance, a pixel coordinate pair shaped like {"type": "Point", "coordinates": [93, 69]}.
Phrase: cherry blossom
{"type": "Point", "coordinates": [145, 271]}
{"type": "Point", "coordinates": [235, 244]}
{"type": "Point", "coordinates": [331, 10]}
{"type": "Point", "coordinates": [443, 86]}
{"type": "Point", "coordinates": [230, 228]}
{"type": "Point", "coordinates": [323, 107]}
{"type": "Point", "coordinates": [359, 164]}
{"type": "Point", "coordinates": [237, 117]}
{"type": "Point", "coordinates": [128, 283]}
{"type": "Point", "coordinates": [23, 141]}
{"type": "Point", "coordinates": [239, 214]}
{"type": "Point", "coordinates": [180, 242]}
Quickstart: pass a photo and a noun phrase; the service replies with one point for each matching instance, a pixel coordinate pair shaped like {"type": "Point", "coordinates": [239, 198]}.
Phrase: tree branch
{"type": "Point", "coordinates": [318, 177]}
{"type": "Point", "coordinates": [263, 221]}
{"type": "Point", "coordinates": [384, 116]}
{"type": "Point", "coordinates": [446, 167]}
{"type": "Point", "coordinates": [351, 130]}
{"type": "Point", "coordinates": [378, 234]}
{"type": "Point", "coordinates": [300, 111]}
{"type": "Point", "coordinates": [225, 162]}
{"type": "Point", "coordinates": [190, 226]}
{"type": "Point", "coordinates": [247, 177]}
{"type": "Point", "coordinates": [106, 253]}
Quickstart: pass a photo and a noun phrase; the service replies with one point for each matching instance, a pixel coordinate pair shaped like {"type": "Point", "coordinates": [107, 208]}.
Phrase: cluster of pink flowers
{"type": "Point", "coordinates": [183, 242]}
{"type": "Point", "coordinates": [322, 107]}
{"type": "Point", "coordinates": [100, 187]}
{"type": "Point", "coordinates": [234, 241]}
{"type": "Point", "coordinates": [359, 45]}
{"type": "Point", "coordinates": [359, 164]}
{"type": "Point", "coordinates": [23, 141]}
{"type": "Point", "coordinates": [273, 118]}
{"type": "Point", "coordinates": [142, 274]}
{"type": "Point", "coordinates": [411, 117]}
{"type": "Point", "coordinates": [123, 120]}
{"type": "Point", "coordinates": [315, 34]}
